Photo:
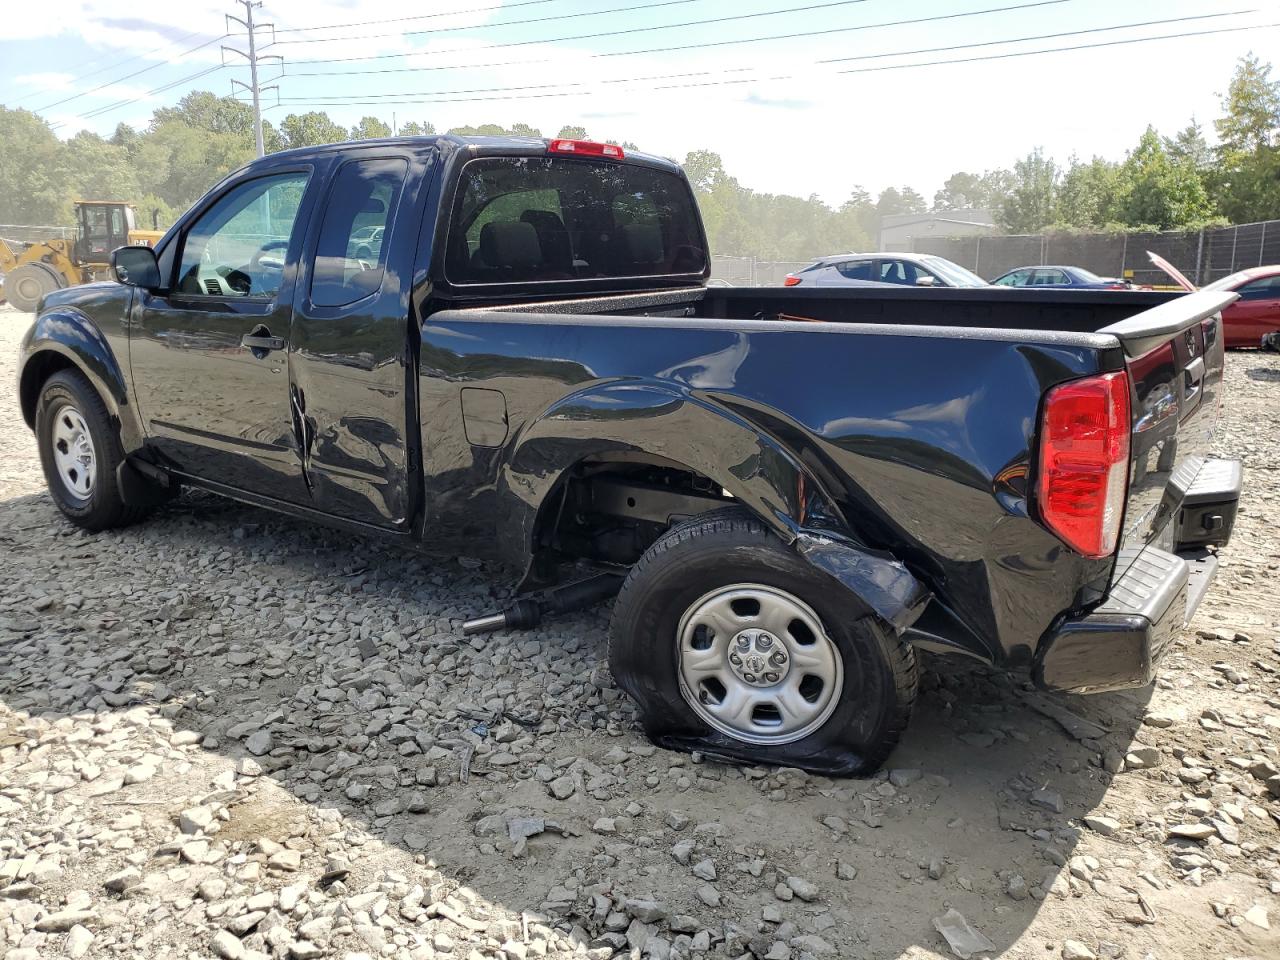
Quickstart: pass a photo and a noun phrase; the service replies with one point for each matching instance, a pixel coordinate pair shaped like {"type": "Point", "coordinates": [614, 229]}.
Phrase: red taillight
{"type": "Point", "coordinates": [586, 148]}
{"type": "Point", "coordinates": [1084, 462]}
{"type": "Point", "coordinates": [1117, 286]}
{"type": "Point", "coordinates": [791, 281]}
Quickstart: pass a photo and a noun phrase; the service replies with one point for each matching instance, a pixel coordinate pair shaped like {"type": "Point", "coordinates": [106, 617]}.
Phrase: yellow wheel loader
{"type": "Point", "coordinates": [31, 270]}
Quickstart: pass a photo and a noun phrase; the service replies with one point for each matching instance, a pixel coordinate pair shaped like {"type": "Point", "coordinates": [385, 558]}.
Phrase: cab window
{"type": "Point", "coordinates": [351, 256]}
{"type": "Point", "coordinates": [237, 247]}
{"type": "Point", "coordinates": [533, 219]}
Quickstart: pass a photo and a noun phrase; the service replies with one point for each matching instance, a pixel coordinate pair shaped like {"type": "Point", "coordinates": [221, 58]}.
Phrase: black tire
{"type": "Point", "coordinates": [24, 285]}
{"type": "Point", "coordinates": [732, 547]}
{"type": "Point", "coordinates": [66, 392]}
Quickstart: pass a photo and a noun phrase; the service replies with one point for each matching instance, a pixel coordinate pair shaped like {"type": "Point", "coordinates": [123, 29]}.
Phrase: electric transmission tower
{"type": "Point", "coordinates": [253, 86]}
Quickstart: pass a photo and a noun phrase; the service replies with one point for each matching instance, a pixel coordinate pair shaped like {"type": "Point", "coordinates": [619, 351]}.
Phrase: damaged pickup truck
{"type": "Point", "coordinates": [795, 490]}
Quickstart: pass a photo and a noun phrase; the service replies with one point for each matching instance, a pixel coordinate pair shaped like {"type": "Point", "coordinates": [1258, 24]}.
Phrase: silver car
{"type": "Point", "coordinates": [883, 269]}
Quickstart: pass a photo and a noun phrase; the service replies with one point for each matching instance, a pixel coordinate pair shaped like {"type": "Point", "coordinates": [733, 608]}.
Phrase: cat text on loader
{"type": "Point", "coordinates": [31, 270]}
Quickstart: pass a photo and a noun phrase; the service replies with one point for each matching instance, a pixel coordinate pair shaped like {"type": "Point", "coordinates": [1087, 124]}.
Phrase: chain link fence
{"type": "Point", "coordinates": [25, 233]}
{"type": "Point", "coordinates": [1203, 255]}
{"type": "Point", "coordinates": [750, 272]}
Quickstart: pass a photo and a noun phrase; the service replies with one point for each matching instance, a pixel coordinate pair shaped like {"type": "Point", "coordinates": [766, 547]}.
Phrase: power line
{"type": "Point", "coordinates": [776, 77]}
{"type": "Point", "coordinates": [112, 66]}
{"type": "Point", "coordinates": [128, 76]}
{"type": "Point", "coordinates": [420, 16]}
{"type": "Point", "coordinates": [690, 46]}
{"type": "Point", "coordinates": [364, 98]}
{"type": "Point", "coordinates": [1079, 46]}
{"type": "Point", "coordinates": [121, 104]}
{"type": "Point", "coordinates": [508, 23]}
{"type": "Point", "coordinates": [618, 33]}
{"type": "Point", "coordinates": [1043, 36]}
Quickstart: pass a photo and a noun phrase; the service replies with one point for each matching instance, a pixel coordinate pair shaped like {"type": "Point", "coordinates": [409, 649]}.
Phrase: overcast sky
{"type": "Point", "coordinates": [783, 119]}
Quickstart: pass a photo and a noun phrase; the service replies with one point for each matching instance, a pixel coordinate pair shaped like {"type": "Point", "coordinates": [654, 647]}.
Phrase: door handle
{"type": "Point", "coordinates": [260, 341]}
{"type": "Point", "coordinates": [1194, 376]}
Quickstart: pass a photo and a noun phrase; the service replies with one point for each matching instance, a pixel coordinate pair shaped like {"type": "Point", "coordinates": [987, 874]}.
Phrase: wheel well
{"type": "Point", "coordinates": [611, 509]}
{"type": "Point", "coordinates": [38, 369]}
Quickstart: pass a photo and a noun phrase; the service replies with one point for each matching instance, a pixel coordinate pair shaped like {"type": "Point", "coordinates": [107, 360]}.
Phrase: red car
{"type": "Point", "coordinates": [1257, 312]}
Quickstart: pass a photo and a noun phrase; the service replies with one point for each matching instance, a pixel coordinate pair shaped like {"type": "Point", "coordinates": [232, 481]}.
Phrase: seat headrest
{"type": "Point", "coordinates": [644, 242]}
{"type": "Point", "coordinates": [510, 243]}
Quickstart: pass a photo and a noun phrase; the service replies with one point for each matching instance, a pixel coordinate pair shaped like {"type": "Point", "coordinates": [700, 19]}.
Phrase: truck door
{"type": "Point", "coordinates": [209, 356]}
{"type": "Point", "coordinates": [351, 344]}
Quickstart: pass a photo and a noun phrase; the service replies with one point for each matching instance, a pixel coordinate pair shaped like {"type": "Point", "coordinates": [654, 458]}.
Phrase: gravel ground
{"type": "Point", "coordinates": [227, 733]}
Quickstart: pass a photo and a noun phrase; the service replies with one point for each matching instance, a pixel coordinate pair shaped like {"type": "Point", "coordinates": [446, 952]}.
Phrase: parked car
{"type": "Point", "coordinates": [875, 269]}
{"type": "Point", "coordinates": [1066, 278]}
{"type": "Point", "coordinates": [791, 491]}
{"type": "Point", "coordinates": [366, 243]}
{"type": "Point", "coordinates": [1257, 312]}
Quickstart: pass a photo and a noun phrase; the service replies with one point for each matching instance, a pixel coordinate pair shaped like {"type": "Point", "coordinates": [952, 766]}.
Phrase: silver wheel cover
{"type": "Point", "coordinates": [74, 459]}
{"type": "Point", "coordinates": [756, 664]}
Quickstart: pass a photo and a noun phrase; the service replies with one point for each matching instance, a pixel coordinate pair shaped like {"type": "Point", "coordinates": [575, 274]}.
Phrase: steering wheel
{"type": "Point", "coordinates": [256, 262]}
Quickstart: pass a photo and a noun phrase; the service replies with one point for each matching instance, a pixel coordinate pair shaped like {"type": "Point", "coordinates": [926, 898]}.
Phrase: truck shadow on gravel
{"type": "Point", "coordinates": [513, 763]}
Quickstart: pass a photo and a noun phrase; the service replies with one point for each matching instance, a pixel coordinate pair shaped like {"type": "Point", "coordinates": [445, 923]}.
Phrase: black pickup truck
{"type": "Point", "coordinates": [507, 348]}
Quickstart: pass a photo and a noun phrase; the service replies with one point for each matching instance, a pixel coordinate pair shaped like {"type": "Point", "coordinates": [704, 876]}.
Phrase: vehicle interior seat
{"type": "Point", "coordinates": [644, 242]}
{"type": "Point", "coordinates": [509, 250]}
{"type": "Point", "coordinates": [553, 238]}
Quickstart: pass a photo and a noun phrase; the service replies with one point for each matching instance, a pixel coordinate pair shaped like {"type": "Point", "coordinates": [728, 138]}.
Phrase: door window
{"type": "Point", "coordinates": [237, 247]}
{"type": "Point", "coordinates": [856, 269]}
{"type": "Point", "coordinates": [1268, 288]}
{"type": "Point", "coordinates": [1050, 278]}
{"type": "Point", "coordinates": [351, 256]}
{"type": "Point", "coordinates": [898, 271]}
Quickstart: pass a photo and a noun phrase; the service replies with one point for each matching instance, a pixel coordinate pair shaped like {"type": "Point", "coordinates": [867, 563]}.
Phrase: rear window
{"type": "Point", "coordinates": [538, 219]}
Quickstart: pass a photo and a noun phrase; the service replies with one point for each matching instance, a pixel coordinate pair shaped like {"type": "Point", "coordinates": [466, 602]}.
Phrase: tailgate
{"type": "Point", "coordinates": [1174, 354]}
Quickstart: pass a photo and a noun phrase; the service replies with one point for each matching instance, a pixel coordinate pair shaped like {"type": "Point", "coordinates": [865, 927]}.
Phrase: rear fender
{"type": "Point", "coordinates": [66, 338]}
{"type": "Point", "coordinates": [753, 467]}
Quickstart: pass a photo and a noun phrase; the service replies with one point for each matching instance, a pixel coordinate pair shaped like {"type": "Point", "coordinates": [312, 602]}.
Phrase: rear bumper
{"type": "Point", "coordinates": [1119, 644]}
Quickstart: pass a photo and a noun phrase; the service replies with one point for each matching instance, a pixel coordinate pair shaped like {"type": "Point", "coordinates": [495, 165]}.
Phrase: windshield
{"type": "Point", "coordinates": [1229, 282]}
{"type": "Point", "coordinates": [953, 273]}
{"type": "Point", "coordinates": [533, 219]}
{"type": "Point", "coordinates": [1086, 275]}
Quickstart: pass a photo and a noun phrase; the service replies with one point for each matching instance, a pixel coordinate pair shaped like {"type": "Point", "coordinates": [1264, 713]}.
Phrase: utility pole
{"type": "Point", "coordinates": [254, 59]}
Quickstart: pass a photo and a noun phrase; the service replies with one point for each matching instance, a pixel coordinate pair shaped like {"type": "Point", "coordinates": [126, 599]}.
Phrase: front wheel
{"type": "Point", "coordinates": [80, 451]}
{"type": "Point", "coordinates": [27, 283]}
{"type": "Point", "coordinates": [732, 645]}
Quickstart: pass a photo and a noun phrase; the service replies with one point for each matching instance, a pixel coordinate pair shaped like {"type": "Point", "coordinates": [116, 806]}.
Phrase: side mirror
{"type": "Point", "coordinates": [924, 280]}
{"type": "Point", "coordinates": [136, 266]}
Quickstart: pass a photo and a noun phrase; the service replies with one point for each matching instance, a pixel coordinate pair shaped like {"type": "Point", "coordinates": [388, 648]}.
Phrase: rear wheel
{"type": "Point", "coordinates": [732, 645]}
{"type": "Point", "coordinates": [80, 452]}
{"type": "Point", "coordinates": [24, 285]}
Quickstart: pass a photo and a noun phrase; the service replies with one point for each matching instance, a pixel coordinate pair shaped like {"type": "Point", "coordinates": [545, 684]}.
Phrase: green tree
{"type": "Point", "coordinates": [1157, 191]}
{"type": "Point", "coordinates": [1246, 183]}
{"type": "Point", "coordinates": [370, 128]}
{"type": "Point", "coordinates": [99, 170]}
{"type": "Point", "coordinates": [972, 191]}
{"type": "Point", "coordinates": [568, 132]}
{"type": "Point", "coordinates": [1088, 193]}
{"type": "Point", "coordinates": [1031, 202]}
{"type": "Point", "coordinates": [1251, 109]}
{"type": "Point", "coordinates": [415, 129]}
{"type": "Point", "coordinates": [1190, 147]}
{"type": "Point", "coordinates": [704, 168]}
{"type": "Point", "coordinates": [34, 176]}
{"type": "Point", "coordinates": [310, 130]}
{"type": "Point", "coordinates": [893, 201]}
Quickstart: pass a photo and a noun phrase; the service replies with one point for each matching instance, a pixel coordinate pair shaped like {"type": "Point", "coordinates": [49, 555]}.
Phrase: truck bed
{"type": "Point", "coordinates": [903, 416]}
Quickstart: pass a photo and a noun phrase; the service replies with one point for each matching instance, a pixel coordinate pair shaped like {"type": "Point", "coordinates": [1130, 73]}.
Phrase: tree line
{"type": "Point", "coordinates": [1163, 183]}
